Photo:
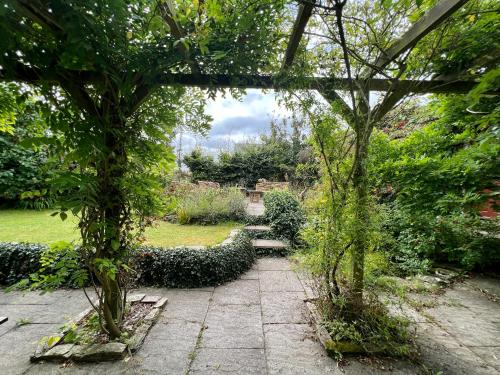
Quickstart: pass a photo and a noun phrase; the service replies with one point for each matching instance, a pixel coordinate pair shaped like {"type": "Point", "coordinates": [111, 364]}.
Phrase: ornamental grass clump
{"type": "Point", "coordinates": [210, 206]}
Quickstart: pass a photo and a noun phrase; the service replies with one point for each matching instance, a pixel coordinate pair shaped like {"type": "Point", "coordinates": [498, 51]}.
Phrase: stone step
{"type": "Point", "coordinates": [269, 244]}
{"type": "Point", "coordinates": [258, 228]}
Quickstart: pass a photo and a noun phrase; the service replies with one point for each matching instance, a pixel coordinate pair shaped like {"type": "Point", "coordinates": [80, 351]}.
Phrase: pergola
{"type": "Point", "coordinates": [395, 88]}
{"type": "Point", "coordinates": [327, 86]}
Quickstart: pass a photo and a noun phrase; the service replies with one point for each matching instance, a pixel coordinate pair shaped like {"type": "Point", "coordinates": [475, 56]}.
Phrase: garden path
{"type": "Point", "coordinates": [256, 325]}
{"type": "Point", "coordinates": [255, 209]}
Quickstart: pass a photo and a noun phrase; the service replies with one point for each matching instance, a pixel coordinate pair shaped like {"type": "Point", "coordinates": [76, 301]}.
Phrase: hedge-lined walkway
{"type": "Point", "coordinates": [256, 325]}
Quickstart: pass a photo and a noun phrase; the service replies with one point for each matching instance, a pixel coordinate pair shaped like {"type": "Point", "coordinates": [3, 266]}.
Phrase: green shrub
{"type": "Point", "coordinates": [284, 214]}
{"type": "Point", "coordinates": [418, 240]}
{"type": "Point", "coordinates": [19, 260]}
{"type": "Point", "coordinates": [190, 267]}
{"type": "Point", "coordinates": [210, 206]}
{"type": "Point", "coordinates": [38, 266]}
{"type": "Point", "coordinates": [375, 331]}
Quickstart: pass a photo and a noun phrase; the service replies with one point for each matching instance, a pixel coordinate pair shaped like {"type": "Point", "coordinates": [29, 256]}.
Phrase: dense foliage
{"type": "Point", "coordinates": [435, 182]}
{"type": "Point", "coordinates": [38, 266]}
{"type": "Point", "coordinates": [26, 167]}
{"type": "Point", "coordinates": [284, 214]}
{"type": "Point", "coordinates": [18, 261]}
{"type": "Point", "coordinates": [278, 157]}
{"type": "Point", "coordinates": [192, 267]}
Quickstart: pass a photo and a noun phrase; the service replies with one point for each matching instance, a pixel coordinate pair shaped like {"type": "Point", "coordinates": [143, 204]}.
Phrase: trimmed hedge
{"type": "Point", "coordinates": [191, 268]}
{"type": "Point", "coordinates": [19, 260]}
{"type": "Point", "coordinates": [174, 268]}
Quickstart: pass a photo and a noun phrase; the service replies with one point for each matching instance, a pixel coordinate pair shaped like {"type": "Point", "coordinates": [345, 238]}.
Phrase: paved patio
{"type": "Point", "coordinates": [255, 325]}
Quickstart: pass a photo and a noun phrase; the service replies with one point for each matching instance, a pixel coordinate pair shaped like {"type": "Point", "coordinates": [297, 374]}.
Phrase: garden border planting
{"type": "Point", "coordinates": [179, 267]}
{"type": "Point", "coordinates": [55, 350]}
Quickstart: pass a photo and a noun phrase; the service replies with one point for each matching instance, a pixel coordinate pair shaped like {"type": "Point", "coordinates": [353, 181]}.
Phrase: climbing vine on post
{"type": "Point", "coordinates": [99, 67]}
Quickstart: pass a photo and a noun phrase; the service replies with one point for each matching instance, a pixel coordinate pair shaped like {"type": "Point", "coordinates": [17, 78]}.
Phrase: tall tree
{"type": "Point", "coordinates": [102, 64]}
{"type": "Point", "coordinates": [363, 40]}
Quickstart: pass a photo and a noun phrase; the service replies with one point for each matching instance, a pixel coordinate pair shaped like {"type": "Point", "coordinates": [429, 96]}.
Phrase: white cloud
{"type": "Point", "coordinates": [236, 121]}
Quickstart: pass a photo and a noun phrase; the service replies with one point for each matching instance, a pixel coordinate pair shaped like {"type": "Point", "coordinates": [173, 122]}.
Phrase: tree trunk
{"type": "Point", "coordinates": [361, 215]}
{"type": "Point", "coordinates": [110, 242]}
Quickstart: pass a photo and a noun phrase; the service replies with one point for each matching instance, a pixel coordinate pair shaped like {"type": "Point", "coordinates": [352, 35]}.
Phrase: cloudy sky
{"type": "Point", "coordinates": [236, 121]}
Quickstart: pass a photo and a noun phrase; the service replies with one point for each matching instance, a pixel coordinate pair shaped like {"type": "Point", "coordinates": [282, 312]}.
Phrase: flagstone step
{"type": "Point", "coordinates": [258, 228]}
{"type": "Point", "coordinates": [269, 244]}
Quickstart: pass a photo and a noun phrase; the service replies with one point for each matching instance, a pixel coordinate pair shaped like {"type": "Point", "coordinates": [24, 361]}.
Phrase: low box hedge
{"type": "Point", "coordinates": [19, 260]}
{"type": "Point", "coordinates": [191, 268]}
{"type": "Point", "coordinates": [174, 268]}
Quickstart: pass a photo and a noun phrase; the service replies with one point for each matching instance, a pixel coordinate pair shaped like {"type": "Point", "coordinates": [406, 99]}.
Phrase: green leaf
{"type": "Point", "coordinates": [115, 245]}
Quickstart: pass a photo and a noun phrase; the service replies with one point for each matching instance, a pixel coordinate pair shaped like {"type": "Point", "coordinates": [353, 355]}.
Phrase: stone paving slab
{"type": "Point", "coordinates": [239, 292]}
{"type": "Point", "coordinates": [269, 244]}
{"type": "Point", "coordinates": [293, 349]}
{"type": "Point", "coordinates": [279, 281]}
{"type": "Point", "coordinates": [252, 274]}
{"type": "Point", "coordinates": [258, 228]}
{"type": "Point", "coordinates": [175, 335]}
{"type": "Point", "coordinates": [273, 264]}
{"type": "Point", "coordinates": [255, 209]}
{"type": "Point", "coordinates": [490, 355]}
{"type": "Point", "coordinates": [488, 284]}
{"type": "Point", "coordinates": [284, 307]}
{"type": "Point", "coordinates": [255, 325]}
{"type": "Point", "coordinates": [229, 361]}
{"type": "Point", "coordinates": [233, 326]}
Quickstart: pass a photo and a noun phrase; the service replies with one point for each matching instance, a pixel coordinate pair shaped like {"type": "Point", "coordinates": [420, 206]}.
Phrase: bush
{"type": "Point", "coordinates": [284, 214]}
{"type": "Point", "coordinates": [19, 260]}
{"type": "Point", "coordinates": [39, 266]}
{"type": "Point", "coordinates": [374, 330]}
{"type": "Point", "coordinates": [176, 268]}
{"type": "Point", "coordinates": [191, 267]}
{"type": "Point", "coordinates": [418, 240]}
{"type": "Point", "coordinates": [210, 206]}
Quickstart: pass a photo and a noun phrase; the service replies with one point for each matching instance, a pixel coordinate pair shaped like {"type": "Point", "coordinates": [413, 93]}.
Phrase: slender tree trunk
{"type": "Point", "coordinates": [110, 245]}
{"type": "Point", "coordinates": [361, 213]}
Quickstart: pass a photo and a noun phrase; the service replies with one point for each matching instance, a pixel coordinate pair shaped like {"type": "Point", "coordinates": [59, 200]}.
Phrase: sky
{"type": "Point", "coordinates": [236, 121]}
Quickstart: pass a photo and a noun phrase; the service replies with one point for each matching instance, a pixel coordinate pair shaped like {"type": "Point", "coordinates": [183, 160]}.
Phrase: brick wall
{"type": "Point", "coordinates": [268, 186]}
{"type": "Point", "coordinates": [208, 184]}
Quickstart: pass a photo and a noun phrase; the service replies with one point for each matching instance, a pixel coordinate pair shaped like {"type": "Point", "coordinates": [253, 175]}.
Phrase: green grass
{"type": "Point", "coordinates": [40, 227]}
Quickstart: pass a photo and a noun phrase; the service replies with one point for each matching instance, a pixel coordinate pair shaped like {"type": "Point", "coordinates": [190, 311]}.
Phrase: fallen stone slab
{"type": "Point", "coordinates": [135, 297]}
{"type": "Point", "coordinates": [110, 351]}
{"type": "Point", "coordinates": [151, 299]}
{"type": "Point", "coordinates": [59, 352]}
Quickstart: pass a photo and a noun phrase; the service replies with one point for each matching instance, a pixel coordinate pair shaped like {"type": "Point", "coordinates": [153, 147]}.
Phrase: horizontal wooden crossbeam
{"type": "Point", "coordinates": [313, 83]}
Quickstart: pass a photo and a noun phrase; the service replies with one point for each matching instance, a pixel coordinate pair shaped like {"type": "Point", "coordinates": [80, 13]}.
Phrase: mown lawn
{"type": "Point", "coordinates": [40, 227]}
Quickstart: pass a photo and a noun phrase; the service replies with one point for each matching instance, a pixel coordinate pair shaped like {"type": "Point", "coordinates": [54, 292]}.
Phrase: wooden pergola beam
{"type": "Point", "coordinates": [313, 83]}
{"type": "Point", "coordinates": [23, 73]}
{"type": "Point", "coordinates": [303, 15]}
{"type": "Point", "coordinates": [428, 22]}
